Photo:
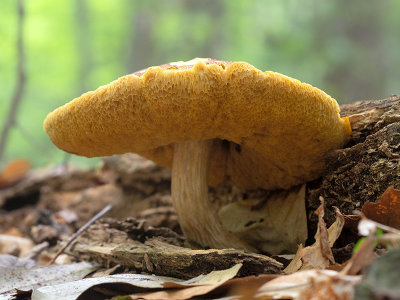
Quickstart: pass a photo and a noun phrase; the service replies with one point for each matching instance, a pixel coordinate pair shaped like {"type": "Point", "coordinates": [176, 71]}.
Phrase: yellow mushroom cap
{"type": "Point", "coordinates": [275, 130]}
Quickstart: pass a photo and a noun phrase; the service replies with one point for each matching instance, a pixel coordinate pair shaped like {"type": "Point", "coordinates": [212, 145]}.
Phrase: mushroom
{"type": "Point", "coordinates": [213, 123]}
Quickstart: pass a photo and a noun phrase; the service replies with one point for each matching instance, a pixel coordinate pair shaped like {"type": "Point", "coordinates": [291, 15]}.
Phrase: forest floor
{"type": "Point", "coordinates": [137, 249]}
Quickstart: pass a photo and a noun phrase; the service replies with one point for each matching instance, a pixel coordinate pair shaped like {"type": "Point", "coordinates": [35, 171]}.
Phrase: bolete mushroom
{"type": "Point", "coordinates": [213, 123]}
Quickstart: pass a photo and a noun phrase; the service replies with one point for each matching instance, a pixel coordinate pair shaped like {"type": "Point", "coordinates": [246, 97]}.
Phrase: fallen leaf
{"type": "Point", "coordinates": [330, 287]}
{"type": "Point", "coordinates": [309, 284]}
{"type": "Point", "coordinates": [73, 289]}
{"type": "Point", "coordinates": [23, 278]}
{"type": "Point", "coordinates": [296, 263]}
{"type": "Point", "coordinates": [244, 287]}
{"type": "Point", "coordinates": [214, 278]}
{"type": "Point", "coordinates": [323, 239]}
{"type": "Point", "coordinates": [176, 294]}
{"type": "Point", "coordinates": [335, 229]}
{"type": "Point", "coordinates": [351, 221]}
{"type": "Point", "coordinates": [106, 272]}
{"type": "Point", "coordinates": [319, 255]}
{"type": "Point", "coordinates": [11, 261]}
{"type": "Point", "coordinates": [13, 172]}
{"type": "Point", "coordinates": [361, 258]}
{"type": "Point", "coordinates": [197, 286]}
{"type": "Point", "coordinates": [262, 227]}
{"type": "Point", "coordinates": [364, 250]}
{"type": "Point", "coordinates": [387, 210]}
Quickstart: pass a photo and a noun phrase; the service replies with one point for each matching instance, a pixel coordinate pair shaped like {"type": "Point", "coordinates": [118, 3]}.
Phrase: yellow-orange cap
{"type": "Point", "coordinates": [274, 130]}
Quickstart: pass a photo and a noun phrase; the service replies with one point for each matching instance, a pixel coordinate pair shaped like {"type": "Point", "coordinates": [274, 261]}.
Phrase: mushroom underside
{"type": "Point", "coordinates": [189, 188]}
{"type": "Point", "coordinates": [200, 219]}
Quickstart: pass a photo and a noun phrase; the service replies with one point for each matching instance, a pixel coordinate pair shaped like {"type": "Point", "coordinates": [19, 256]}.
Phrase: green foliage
{"type": "Point", "coordinates": [379, 232]}
{"type": "Point", "coordinates": [347, 48]}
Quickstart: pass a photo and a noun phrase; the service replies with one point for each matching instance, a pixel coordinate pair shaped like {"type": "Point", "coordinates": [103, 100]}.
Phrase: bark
{"type": "Point", "coordinates": [367, 166]}
{"type": "Point", "coordinates": [161, 251]}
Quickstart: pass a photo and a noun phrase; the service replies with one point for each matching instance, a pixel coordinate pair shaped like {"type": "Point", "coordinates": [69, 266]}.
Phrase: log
{"type": "Point", "coordinates": [366, 167]}
{"type": "Point", "coordinates": [142, 248]}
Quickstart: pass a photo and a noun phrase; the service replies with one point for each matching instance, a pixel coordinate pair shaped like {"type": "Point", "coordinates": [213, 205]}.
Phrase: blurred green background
{"type": "Point", "coordinates": [349, 49]}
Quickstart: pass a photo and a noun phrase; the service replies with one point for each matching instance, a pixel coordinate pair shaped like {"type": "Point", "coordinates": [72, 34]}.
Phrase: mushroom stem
{"type": "Point", "coordinates": [197, 216]}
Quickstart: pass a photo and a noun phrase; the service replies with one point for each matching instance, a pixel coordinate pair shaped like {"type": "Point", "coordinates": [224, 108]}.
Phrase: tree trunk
{"type": "Point", "coordinates": [368, 165]}
{"type": "Point", "coordinates": [10, 119]}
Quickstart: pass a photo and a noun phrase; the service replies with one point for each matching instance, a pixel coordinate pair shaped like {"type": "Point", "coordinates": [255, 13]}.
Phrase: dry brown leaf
{"type": "Point", "coordinates": [309, 284]}
{"type": "Point", "coordinates": [387, 210]}
{"type": "Point", "coordinates": [245, 288]}
{"type": "Point", "coordinates": [351, 221]}
{"type": "Point", "coordinates": [361, 258]}
{"type": "Point", "coordinates": [319, 255]}
{"type": "Point", "coordinates": [23, 275]}
{"type": "Point", "coordinates": [262, 227]}
{"type": "Point", "coordinates": [212, 278]}
{"type": "Point", "coordinates": [196, 286]}
{"type": "Point", "coordinates": [335, 229]}
{"type": "Point", "coordinates": [323, 239]}
{"type": "Point", "coordinates": [186, 293]}
{"type": "Point", "coordinates": [365, 253]}
{"type": "Point", "coordinates": [330, 287]}
{"type": "Point", "coordinates": [13, 172]}
{"type": "Point", "coordinates": [296, 263]}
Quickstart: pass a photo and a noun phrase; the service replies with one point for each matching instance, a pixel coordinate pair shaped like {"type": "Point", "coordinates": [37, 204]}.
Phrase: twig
{"type": "Point", "coordinates": [17, 96]}
{"type": "Point", "coordinates": [80, 231]}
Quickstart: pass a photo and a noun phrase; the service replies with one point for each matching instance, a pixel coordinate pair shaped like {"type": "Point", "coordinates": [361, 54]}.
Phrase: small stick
{"type": "Point", "coordinates": [80, 231]}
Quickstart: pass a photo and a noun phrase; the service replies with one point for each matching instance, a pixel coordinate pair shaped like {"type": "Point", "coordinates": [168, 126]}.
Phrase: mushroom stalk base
{"type": "Point", "coordinates": [189, 188]}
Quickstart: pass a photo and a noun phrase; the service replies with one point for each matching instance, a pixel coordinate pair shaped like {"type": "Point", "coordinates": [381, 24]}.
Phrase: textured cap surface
{"type": "Point", "coordinates": [274, 130]}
